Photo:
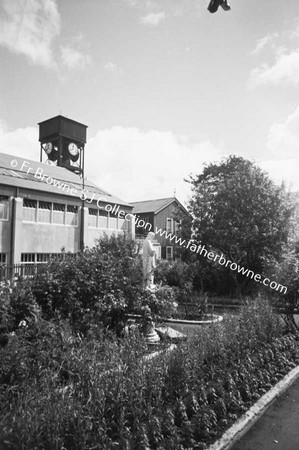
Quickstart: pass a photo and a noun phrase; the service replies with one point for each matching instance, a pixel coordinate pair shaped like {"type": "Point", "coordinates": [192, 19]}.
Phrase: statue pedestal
{"type": "Point", "coordinates": [150, 333]}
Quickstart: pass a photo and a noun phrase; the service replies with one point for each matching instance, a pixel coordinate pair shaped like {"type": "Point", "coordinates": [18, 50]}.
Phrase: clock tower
{"type": "Point", "coordinates": [62, 143]}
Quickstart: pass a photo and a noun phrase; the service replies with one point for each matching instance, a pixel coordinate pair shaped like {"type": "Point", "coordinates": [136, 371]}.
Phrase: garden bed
{"type": "Point", "coordinates": [59, 391]}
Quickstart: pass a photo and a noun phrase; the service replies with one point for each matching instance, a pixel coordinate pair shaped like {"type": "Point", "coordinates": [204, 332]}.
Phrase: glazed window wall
{"type": "Point", "coordinates": [50, 213]}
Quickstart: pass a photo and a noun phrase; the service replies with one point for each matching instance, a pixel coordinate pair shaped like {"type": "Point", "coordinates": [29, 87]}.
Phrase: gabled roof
{"type": "Point", "coordinates": [14, 171]}
{"type": "Point", "coordinates": [155, 206]}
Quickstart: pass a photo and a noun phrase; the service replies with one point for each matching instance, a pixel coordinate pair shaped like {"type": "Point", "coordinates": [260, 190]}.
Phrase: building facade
{"type": "Point", "coordinates": [160, 214]}
{"type": "Point", "coordinates": [46, 210]}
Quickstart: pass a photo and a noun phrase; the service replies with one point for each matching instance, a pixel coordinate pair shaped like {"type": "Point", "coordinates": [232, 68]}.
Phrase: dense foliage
{"type": "Point", "coordinates": [286, 272]}
{"type": "Point", "coordinates": [92, 292]}
{"type": "Point", "coordinates": [240, 213]}
{"type": "Point", "coordinates": [67, 380]}
{"type": "Point", "coordinates": [97, 287]}
{"type": "Point", "coordinates": [61, 391]}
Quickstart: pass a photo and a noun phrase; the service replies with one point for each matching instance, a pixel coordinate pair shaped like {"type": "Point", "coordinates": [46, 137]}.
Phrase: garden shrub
{"type": "Point", "coordinates": [5, 313]}
{"type": "Point", "coordinates": [160, 303]}
{"type": "Point", "coordinates": [285, 271]}
{"type": "Point", "coordinates": [174, 273]}
{"type": "Point", "coordinates": [98, 286]}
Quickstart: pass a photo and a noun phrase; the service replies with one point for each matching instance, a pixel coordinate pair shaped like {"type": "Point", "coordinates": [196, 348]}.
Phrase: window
{"type": "Point", "coordinates": [169, 252]}
{"type": "Point", "coordinates": [29, 210]}
{"type": "Point", "coordinates": [58, 213]}
{"type": "Point", "coordinates": [113, 222]}
{"type": "Point", "coordinates": [122, 224]}
{"type": "Point", "coordinates": [39, 258]}
{"type": "Point", "coordinates": [28, 203]}
{"type": "Point", "coordinates": [72, 209]}
{"type": "Point", "coordinates": [42, 257]}
{"type": "Point", "coordinates": [45, 205]}
{"type": "Point", "coordinates": [92, 217]}
{"type": "Point", "coordinates": [103, 218]}
{"type": "Point", "coordinates": [169, 224]}
{"type": "Point", "coordinates": [44, 212]}
{"type": "Point", "coordinates": [4, 202]}
{"type": "Point", "coordinates": [28, 258]}
{"type": "Point", "coordinates": [98, 218]}
{"type": "Point", "coordinates": [46, 257]}
{"type": "Point", "coordinates": [178, 225]}
{"type": "Point", "coordinates": [59, 256]}
{"type": "Point", "coordinates": [72, 215]}
{"type": "Point", "coordinates": [50, 213]}
{"type": "Point", "coordinates": [2, 258]}
{"type": "Point", "coordinates": [58, 207]}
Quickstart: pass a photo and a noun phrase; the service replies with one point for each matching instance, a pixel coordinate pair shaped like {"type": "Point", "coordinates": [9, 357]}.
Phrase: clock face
{"type": "Point", "coordinates": [48, 148]}
{"type": "Point", "coordinates": [73, 149]}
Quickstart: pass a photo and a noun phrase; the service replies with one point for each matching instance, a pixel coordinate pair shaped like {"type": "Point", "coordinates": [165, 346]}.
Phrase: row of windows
{"type": "Point", "coordinates": [171, 225]}
{"type": "Point", "coordinates": [47, 212]}
{"type": "Point", "coordinates": [99, 218]}
{"type": "Point", "coordinates": [28, 203]}
{"type": "Point", "coordinates": [39, 258]}
{"type": "Point", "coordinates": [60, 214]}
{"type": "Point", "coordinates": [4, 202]}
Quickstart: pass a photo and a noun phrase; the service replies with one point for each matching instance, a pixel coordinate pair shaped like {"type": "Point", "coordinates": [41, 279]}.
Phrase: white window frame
{"type": "Point", "coordinates": [31, 209]}
{"type": "Point", "coordinates": [169, 221]}
{"type": "Point", "coordinates": [169, 247]}
{"type": "Point", "coordinates": [96, 215]}
{"type": "Point", "coordinates": [5, 197]}
{"type": "Point", "coordinates": [68, 214]}
{"type": "Point", "coordinates": [63, 213]}
{"type": "Point", "coordinates": [44, 209]}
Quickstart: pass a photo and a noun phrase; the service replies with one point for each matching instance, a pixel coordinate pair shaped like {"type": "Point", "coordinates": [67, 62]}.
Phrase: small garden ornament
{"type": "Point", "coordinates": [148, 327]}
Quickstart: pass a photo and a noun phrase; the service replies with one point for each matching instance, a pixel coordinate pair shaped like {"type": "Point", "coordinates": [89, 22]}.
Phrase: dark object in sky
{"type": "Point", "coordinates": [214, 5]}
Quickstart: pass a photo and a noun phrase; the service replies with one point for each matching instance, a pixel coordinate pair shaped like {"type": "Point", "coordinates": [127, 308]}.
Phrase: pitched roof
{"type": "Point", "coordinates": [28, 174]}
{"type": "Point", "coordinates": [149, 206]}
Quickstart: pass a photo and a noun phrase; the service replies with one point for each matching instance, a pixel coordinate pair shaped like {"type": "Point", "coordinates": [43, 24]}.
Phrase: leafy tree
{"type": "Point", "coordinates": [240, 213]}
{"type": "Point", "coordinates": [285, 271]}
{"type": "Point", "coordinates": [184, 231]}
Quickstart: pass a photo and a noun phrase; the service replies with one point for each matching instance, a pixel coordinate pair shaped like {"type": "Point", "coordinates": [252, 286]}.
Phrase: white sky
{"type": "Point", "coordinates": [163, 85]}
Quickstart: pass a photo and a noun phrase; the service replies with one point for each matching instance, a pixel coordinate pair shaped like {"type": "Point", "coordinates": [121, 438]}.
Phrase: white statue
{"type": "Point", "coordinates": [149, 261]}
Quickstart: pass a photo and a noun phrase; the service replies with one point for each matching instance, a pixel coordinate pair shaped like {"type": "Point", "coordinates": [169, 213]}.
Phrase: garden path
{"type": "Point", "coordinates": [278, 427]}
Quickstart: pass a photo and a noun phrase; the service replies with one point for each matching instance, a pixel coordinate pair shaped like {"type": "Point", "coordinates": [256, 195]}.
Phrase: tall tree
{"type": "Point", "coordinates": [240, 213]}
